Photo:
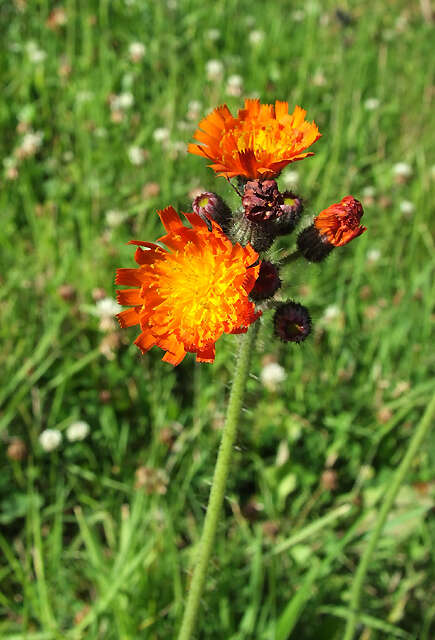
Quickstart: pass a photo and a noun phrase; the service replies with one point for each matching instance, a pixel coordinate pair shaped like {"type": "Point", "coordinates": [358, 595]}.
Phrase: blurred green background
{"type": "Point", "coordinates": [98, 103]}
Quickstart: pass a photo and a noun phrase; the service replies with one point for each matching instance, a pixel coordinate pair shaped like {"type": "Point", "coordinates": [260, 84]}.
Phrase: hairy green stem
{"type": "Point", "coordinates": [388, 500]}
{"type": "Point", "coordinates": [291, 257]}
{"type": "Point", "coordinates": [219, 482]}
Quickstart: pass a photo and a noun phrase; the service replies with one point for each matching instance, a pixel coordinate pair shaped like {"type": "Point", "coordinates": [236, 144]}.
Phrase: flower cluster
{"type": "Point", "coordinates": [212, 276]}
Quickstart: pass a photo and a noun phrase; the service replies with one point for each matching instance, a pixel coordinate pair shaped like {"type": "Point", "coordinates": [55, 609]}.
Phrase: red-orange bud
{"type": "Point", "coordinates": [340, 222]}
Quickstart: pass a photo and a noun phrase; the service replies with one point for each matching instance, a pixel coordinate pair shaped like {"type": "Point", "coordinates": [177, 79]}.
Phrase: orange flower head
{"type": "Point", "coordinates": [259, 143]}
{"type": "Point", "coordinates": [340, 223]}
{"type": "Point", "coordinates": [184, 299]}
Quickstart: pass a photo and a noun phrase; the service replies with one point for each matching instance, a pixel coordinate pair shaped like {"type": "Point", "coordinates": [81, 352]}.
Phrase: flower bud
{"type": "Point", "coordinates": [209, 206]}
{"type": "Point", "coordinates": [328, 480]}
{"type": "Point", "coordinates": [334, 227]}
{"type": "Point", "coordinates": [290, 213]}
{"type": "Point", "coordinates": [262, 200]}
{"type": "Point", "coordinates": [17, 450]}
{"type": "Point", "coordinates": [292, 322]}
{"type": "Point", "coordinates": [259, 236]}
{"type": "Point", "coordinates": [267, 283]}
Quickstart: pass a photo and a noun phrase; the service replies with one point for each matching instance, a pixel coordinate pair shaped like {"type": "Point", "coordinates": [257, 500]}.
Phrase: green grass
{"type": "Point", "coordinates": [85, 554]}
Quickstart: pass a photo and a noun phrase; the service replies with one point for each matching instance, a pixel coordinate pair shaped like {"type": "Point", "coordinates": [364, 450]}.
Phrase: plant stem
{"type": "Point", "coordinates": [219, 482]}
{"type": "Point", "coordinates": [388, 500]}
{"type": "Point", "coordinates": [291, 257]}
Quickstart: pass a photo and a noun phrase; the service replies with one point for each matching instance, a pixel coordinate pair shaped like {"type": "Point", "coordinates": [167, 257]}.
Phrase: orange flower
{"type": "Point", "coordinates": [186, 298]}
{"type": "Point", "coordinates": [340, 223]}
{"type": "Point", "coordinates": [259, 143]}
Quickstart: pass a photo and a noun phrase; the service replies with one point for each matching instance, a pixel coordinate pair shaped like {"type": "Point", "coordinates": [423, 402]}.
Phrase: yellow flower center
{"type": "Point", "coordinates": [199, 289]}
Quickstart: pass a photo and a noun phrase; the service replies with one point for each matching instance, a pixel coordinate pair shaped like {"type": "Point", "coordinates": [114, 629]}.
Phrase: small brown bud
{"type": "Point", "coordinates": [329, 480]}
{"type": "Point", "coordinates": [267, 283]}
{"type": "Point", "coordinates": [166, 436]}
{"type": "Point", "coordinates": [292, 322]}
{"type": "Point", "coordinates": [17, 450]}
{"type": "Point", "coordinates": [262, 200]}
{"type": "Point", "coordinates": [98, 294]}
{"type": "Point", "coordinates": [105, 396]}
{"type": "Point", "coordinates": [67, 292]}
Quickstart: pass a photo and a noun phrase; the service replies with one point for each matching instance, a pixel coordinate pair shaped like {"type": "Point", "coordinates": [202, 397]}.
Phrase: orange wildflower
{"type": "Point", "coordinates": [340, 222]}
{"type": "Point", "coordinates": [185, 298]}
{"type": "Point", "coordinates": [259, 143]}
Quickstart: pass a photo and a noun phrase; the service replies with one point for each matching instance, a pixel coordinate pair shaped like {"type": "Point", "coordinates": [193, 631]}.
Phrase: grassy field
{"type": "Point", "coordinates": [98, 535]}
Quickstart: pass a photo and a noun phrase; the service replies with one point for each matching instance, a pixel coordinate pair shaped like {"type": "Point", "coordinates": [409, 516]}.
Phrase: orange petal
{"type": "Point", "coordinates": [127, 277]}
{"type": "Point", "coordinates": [281, 109]}
{"type": "Point", "coordinates": [170, 219]}
{"type": "Point", "coordinates": [197, 150]}
{"type": "Point", "coordinates": [195, 220]}
{"type": "Point", "coordinates": [145, 341]}
{"type": "Point", "coordinates": [148, 257]}
{"type": "Point", "coordinates": [128, 318]}
{"type": "Point", "coordinates": [129, 297]}
{"type": "Point", "coordinates": [206, 355]}
{"type": "Point", "coordinates": [176, 357]}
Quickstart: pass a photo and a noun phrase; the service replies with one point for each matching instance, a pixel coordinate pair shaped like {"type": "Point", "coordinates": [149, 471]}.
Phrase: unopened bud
{"type": "Point", "coordinates": [262, 200]}
{"type": "Point", "coordinates": [329, 480]}
{"type": "Point", "coordinates": [291, 212]}
{"type": "Point", "coordinates": [259, 236]}
{"type": "Point", "coordinates": [210, 207]}
{"type": "Point", "coordinates": [334, 227]}
{"type": "Point", "coordinates": [17, 450]}
{"type": "Point", "coordinates": [67, 292]}
{"type": "Point", "coordinates": [267, 283]}
{"type": "Point", "coordinates": [292, 322]}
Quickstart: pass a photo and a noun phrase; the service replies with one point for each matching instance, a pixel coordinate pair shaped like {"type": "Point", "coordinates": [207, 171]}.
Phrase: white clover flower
{"type": "Point", "coordinates": [194, 105]}
{"type": "Point", "coordinates": [290, 178]}
{"type": "Point", "coordinates": [331, 313]}
{"type": "Point", "coordinates": [298, 15]}
{"type": "Point", "coordinates": [183, 125]}
{"type": "Point", "coordinates": [9, 162]}
{"type": "Point", "coordinates": [369, 191]}
{"type": "Point", "coordinates": [178, 147]}
{"type": "Point", "coordinates": [193, 109]}
{"type": "Point", "coordinates": [272, 375]}
{"type": "Point", "coordinates": [30, 144]}
{"type": "Point", "coordinates": [136, 51]}
{"type": "Point", "coordinates": [319, 79]}
{"type": "Point", "coordinates": [388, 35]}
{"type": "Point", "coordinates": [212, 34]}
{"type": "Point", "coordinates": [77, 431]}
{"type": "Point", "coordinates": [402, 22]}
{"type": "Point", "coordinates": [234, 85]}
{"type": "Point", "coordinates": [373, 256]}
{"type": "Point", "coordinates": [214, 69]}
{"type": "Point", "coordinates": [371, 104]}
{"type": "Point", "coordinates": [114, 218]}
{"type": "Point", "coordinates": [107, 308]}
{"type": "Point", "coordinates": [50, 439]}
{"type": "Point", "coordinates": [407, 208]}
{"type": "Point", "coordinates": [84, 96]}
{"type": "Point", "coordinates": [402, 170]}
{"type": "Point", "coordinates": [36, 55]}
{"type": "Point", "coordinates": [161, 134]}
{"type": "Point", "coordinates": [256, 37]}
{"type": "Point", "coordinates": [136, 155]}
{"type": "Point", "coordinates": [122, 102]}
